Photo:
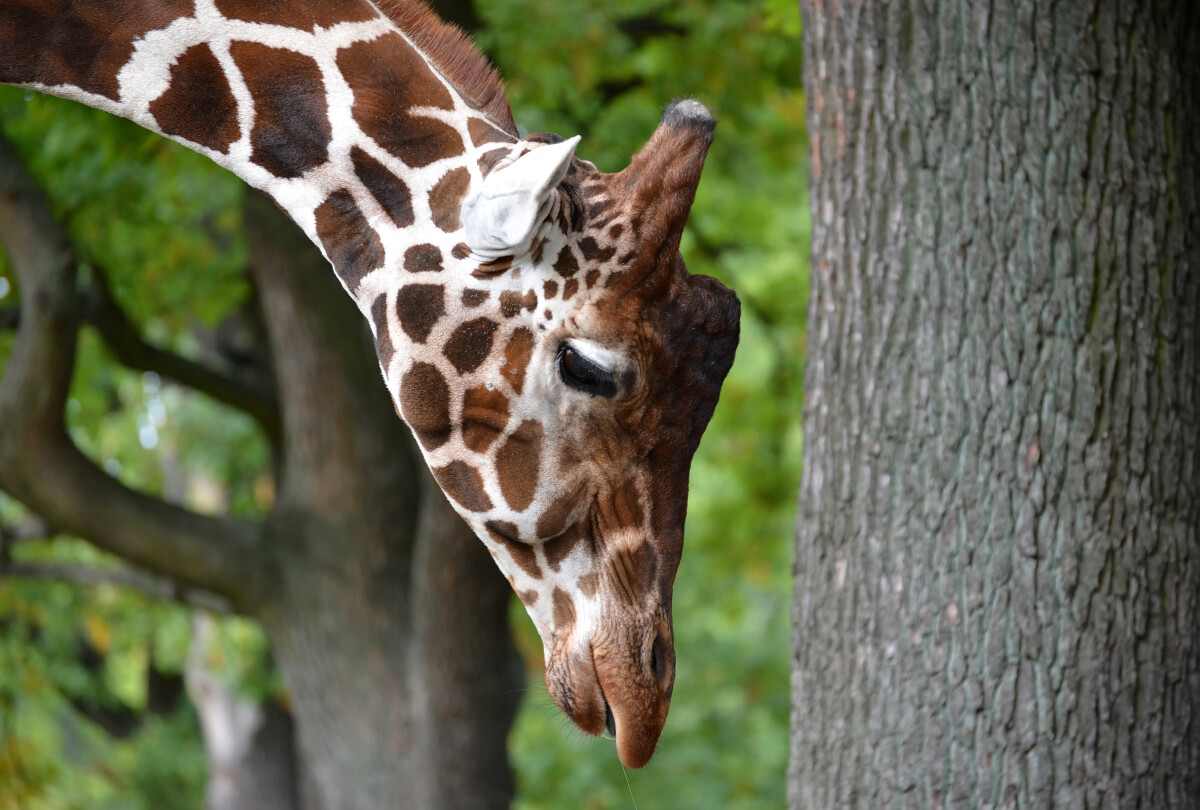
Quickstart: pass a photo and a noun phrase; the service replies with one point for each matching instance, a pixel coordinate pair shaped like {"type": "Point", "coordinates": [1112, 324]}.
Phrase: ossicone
{"type": "Point", "coordinates": [663, 176]}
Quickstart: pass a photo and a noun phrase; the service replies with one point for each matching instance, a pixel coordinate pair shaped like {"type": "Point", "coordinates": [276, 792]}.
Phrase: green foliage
{"type": "Point", "coordinates": [165, 225]}
{"type": "Point", "coordinates": [50, 756]}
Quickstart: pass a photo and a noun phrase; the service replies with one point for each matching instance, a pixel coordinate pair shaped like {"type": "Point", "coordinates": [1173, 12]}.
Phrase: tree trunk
{"type": "Point", "coordinates": [997, 561]}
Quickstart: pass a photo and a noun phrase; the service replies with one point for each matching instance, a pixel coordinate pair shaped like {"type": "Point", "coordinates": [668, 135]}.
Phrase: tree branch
{"type": "Point", "coordinates": [103, 312]}
{"type": "Point", "coordinates": [40, 466]}
{"type": "Point", "coordinates": [10, 318]}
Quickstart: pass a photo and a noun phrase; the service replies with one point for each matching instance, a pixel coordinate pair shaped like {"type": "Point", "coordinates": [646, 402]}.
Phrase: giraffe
{"type": "Point", "coordinates": [534, 321]}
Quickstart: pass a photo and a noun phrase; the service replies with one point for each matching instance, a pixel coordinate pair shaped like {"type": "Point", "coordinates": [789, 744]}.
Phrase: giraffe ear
{"type": "Point", "coordinates": [502, 214]}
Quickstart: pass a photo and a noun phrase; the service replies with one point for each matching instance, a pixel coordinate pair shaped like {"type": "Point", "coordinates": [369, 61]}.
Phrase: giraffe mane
{"type": "Point", "coordinates": [456, 57]}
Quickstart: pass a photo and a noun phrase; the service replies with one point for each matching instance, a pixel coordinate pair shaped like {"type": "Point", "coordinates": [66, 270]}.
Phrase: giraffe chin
{"type": "Point", "coordinates": [630, 709]}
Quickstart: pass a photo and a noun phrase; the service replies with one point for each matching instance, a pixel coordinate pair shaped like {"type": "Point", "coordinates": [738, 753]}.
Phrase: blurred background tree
{"type": "Point", "coordinates": [82, 665]}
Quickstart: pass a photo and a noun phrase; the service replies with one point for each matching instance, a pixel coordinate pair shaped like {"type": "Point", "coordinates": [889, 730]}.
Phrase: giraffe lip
{"type": "Point", "coordinates": [610, 720]}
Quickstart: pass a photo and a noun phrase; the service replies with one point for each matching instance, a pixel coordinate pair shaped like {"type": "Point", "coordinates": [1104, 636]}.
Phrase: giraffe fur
{"type": "Point", "coordinates": [534, 321]}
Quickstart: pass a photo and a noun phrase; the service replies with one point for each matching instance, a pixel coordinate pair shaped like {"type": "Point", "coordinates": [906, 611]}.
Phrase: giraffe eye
{"type": "Point", "coordinates": [583, 375]}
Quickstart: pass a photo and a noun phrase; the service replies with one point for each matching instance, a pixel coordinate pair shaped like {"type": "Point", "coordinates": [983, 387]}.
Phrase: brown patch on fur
{"type": "Point", "coordinates": [489, 159]}
{"type": "Point", "coordinates": [456, 57]}
{"type": "Point", "coordinates": [460, 251]}
{"type": "Point", "coordinates": [592, 252]}
{"type": "Point", "coordinates": [445, 200]}
{"type": "Point", "coordinates": [550, 288]}
{"type": "Point", "coordinates": [484, 417]}
{"type": "Point", "coordinates": [425, 404]}
{"type": "Point", "coordinates": [570, 288]}
{"type": "Point", "coordinates": [566, 265]}
{"type": "Point", "coordinates": [614, 233]}
{"type": "Point", "coordinates": [588, 584]}
{"type": "Point", "coordinates": [470, 344]}
{"type": "Point", "coordinates": [464, 484]}
{"type": "Point", "coordinates": [517, 465]}
{"type": "Point", "coordinates": [473, 298]}
{"type": "Point", "coordinates": [592, 277]}
{"type": "Point", "coordinates": [539, 247]}
{"type": "Point", "coordinates": [493, 268]}
{"type": "Point", "coordinates": [597, 209]}
{"type": "Point", "coordinates": [198, 103]}
{"type": "Point", "coordinates": [564, 612]}
{"type": "Point", "coordinates": [291, 117]}
{"type": "Point", "coordinates": [419, 307]}
{"type": "Point", "coordinates": [302, 15]}
{"type": "Point", "coordinates": [387, 188]}
{"type": "Point", "coordinates": [554, 520]}
{"type": "Point", "coordinates": [512, 303]}
{"type": "Point", "coordinates": [516, 355]}
{"type": "Point", "coordinates": [625, 509]}
{"type": "Point", "coordinates": [528, 598]}
{"type": "Point", "coordinates": [561, 547]}
{"type": "Point", "coordinates": [84, 45]}
{"type": "Point", "coordinates": [383, 337]}
{"type": "Point", "coordinates": [351, 244]}
{"type": "Point", "coordinates": [631, 572]}
{"type": "Point", "coordinates": [387, 75]}
{"type": "Point", "coordinates": [522, 553]}
{"type": "Point", "coordinates": [483, 132]}
{"type": "Point", "coordinates": [423, 259]}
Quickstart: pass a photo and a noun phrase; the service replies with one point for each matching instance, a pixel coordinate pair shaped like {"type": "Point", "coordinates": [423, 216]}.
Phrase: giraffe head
{"type": "Point", "coordinates": [587, 364]}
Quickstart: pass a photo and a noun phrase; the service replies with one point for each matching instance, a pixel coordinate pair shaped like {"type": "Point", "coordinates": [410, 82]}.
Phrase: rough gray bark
{"type": "Point", "coordinates": [997, 560]}
{"type": "Point", "coordinates": [387, 616]}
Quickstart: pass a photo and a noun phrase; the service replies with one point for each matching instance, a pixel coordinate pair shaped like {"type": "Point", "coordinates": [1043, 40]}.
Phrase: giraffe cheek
{"type": "Point", "coordinates": [517, 465]}
{"type": "Point", "coordinates": [554, 520]}
{"type": "Point", "coordinates": [484, 416]}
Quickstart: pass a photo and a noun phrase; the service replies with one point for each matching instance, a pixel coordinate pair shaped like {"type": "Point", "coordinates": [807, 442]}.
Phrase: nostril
{"type": "Point", "coordinates": [610, 722]}
{"type": "Point", "coordinates": [658, 659]}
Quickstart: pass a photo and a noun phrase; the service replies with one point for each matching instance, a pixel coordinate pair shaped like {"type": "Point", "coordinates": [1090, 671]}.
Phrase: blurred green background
{"type": "Point", "coordinates": [166, 225]}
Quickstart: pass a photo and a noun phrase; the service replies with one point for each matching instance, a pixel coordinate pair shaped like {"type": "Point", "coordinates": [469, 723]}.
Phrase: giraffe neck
{"type": "Point", "coordinates": [331, 108]}
{"type": "Point", "coordinates": [354, 122]}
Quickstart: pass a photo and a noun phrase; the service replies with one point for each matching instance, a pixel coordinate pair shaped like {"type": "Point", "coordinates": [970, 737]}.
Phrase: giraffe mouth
{"type": "Point", "coordinates": [576, 682]}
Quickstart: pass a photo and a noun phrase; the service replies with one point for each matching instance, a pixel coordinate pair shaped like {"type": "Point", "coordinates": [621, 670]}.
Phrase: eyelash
{"type": "Point", "coordinates": [581, 374]}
